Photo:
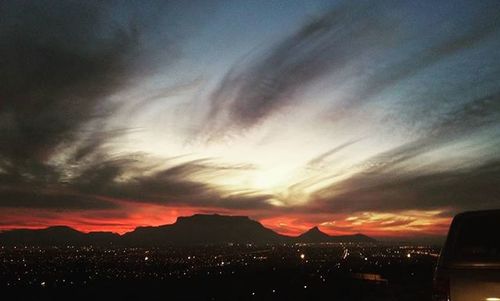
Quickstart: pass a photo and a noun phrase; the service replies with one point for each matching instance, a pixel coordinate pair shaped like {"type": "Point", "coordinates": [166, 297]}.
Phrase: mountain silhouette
{"type": "Point", "coordinates": [314, 235]}
{"type": "Point", "coordinates": [358, 238]}
{"type": "Point", "coordinates": [57, 235]}
{"type": "Point", "coordinates": [199, 229]}
{"type": "Point", "coordinates": [205, 229]}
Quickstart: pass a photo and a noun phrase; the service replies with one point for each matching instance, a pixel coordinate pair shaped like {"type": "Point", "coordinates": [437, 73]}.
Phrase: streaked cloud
{"type": "Point", "coordinates": [367, 116]}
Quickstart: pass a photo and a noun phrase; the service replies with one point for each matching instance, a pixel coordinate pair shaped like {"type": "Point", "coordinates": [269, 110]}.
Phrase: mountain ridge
{"type": "Point", "coordinates": [198, 229]}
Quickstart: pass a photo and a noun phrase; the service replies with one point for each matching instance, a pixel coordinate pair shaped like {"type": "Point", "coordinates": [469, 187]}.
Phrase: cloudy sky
{"type": "Point", "coordinates": [381, 117]}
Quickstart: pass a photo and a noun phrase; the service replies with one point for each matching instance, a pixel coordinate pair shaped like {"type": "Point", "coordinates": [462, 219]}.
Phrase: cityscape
{"type": "Point", "coordinates": [344, 271]}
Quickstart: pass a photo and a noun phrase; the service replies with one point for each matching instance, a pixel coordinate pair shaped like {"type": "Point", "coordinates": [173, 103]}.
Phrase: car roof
{"type": "Point", "coordinates": [477, 213]}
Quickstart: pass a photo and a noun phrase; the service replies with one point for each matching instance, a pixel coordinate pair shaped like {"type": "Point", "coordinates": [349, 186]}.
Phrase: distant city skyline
{"type": "Point", "coordinates": [374, 117]}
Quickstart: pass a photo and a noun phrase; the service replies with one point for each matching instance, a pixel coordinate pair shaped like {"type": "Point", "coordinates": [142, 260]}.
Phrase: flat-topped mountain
{"type": "Point", "coordinates": [199, 229]}
{"type": "Point", "coordinates": [205, 229]}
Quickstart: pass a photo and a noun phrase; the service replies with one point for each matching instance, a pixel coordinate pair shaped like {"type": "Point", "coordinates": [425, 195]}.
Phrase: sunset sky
{"type": "Point", "coordinates": [380, 117]}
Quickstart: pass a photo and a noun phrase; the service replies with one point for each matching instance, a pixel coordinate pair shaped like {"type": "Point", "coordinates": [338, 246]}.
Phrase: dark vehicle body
{"type": "Point", "coordinates": [469, 264]}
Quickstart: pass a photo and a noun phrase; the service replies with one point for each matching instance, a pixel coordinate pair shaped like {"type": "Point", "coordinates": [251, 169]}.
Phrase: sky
{"type": "Point", "coordinates": [380, 117]}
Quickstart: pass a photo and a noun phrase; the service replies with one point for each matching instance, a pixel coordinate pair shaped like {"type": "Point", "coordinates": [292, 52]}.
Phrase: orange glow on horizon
{"type": "Point", "coordinates": [131, 215]}
{"type": "Point", "coordinates": [383, 225]}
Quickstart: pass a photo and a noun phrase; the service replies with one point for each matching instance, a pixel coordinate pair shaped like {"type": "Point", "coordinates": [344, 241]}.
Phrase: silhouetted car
{"type": "Point", "coordinates": [469, 264]}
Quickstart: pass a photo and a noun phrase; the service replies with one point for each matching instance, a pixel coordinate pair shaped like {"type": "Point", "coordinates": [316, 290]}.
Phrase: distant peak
{"type": "Point", "coordinates": [360, 235]}
{"type": "Point", "coordinates": [314, 231]}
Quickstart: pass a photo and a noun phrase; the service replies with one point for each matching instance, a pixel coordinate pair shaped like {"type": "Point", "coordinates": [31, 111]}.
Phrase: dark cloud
{"type": "Point", "coordinates": [454, 190]}
{"type": "Point", "coordinates": [170, 186]}
{"type": "Point", "coordinates": [324, 156]}
{"type": "Point", "coordinates": [44, 198]}
{"type": "Point", "coordinates": [375, 38]}
{"type": "Point", "coordinates": [97, 178]}
{"type": "Point", "coordinates": [252, 91]}
{"type": "Point", "coordinates": [392, 180]}
{"type": "Point", "coordinates": [457, 124]}
{"type": "Point", "coordinates": [60, 61]}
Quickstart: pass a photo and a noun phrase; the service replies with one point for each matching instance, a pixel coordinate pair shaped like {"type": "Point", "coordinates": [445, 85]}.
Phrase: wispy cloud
{"type": "Point", "coordinates": [60, 64]}
{"type": "Point", "coordinates": [254, 90]}
{"type": "Point", "coordinates": [402, 105]}
{"type": "Point", "coordinates": [369, 38]}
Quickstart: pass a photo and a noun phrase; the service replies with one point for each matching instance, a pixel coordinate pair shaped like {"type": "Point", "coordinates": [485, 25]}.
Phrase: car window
{"type": "Point", "coordinates": [478, 239]}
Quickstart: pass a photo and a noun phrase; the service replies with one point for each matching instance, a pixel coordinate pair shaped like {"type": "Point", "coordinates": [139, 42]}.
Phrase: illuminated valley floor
{"type": "Point", "coordinates": [231, 272]}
